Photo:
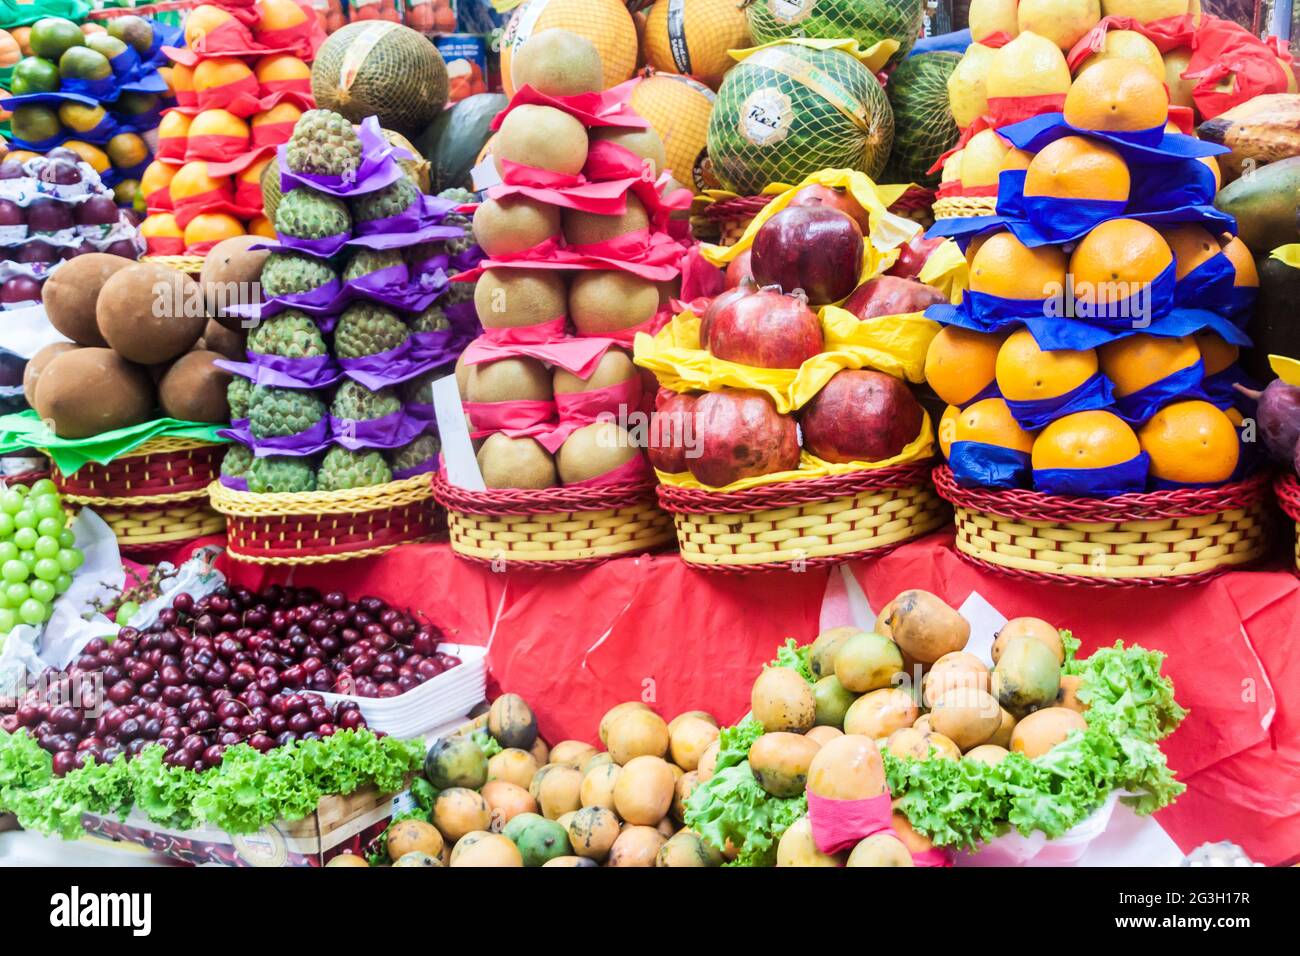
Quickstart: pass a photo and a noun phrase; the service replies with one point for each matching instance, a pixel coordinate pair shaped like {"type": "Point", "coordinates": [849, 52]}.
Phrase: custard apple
{"type": "Point", "coordinates": [367, 329]}
{"type": "Point", "coordinates": [285, 273]}
{"type": "Point", "coordinates": [307, 214]}
{"type": "Point", "coordinates": [419, 390]}
{"type": "Point", "coordinates": [416, 453]}
{"type": "Point", "coordinates": [323, 144]}
{"type": "Point", "coordinates": [366, 261]}
{"type": "Point", "coordinates": [236, 461]}
{"type": "Point", "coordinates": [356, 403]}
{"type": "Point", "coordinates": [394, 198]}
{"type": "Point", "coordinates": [291, 333]}
{"type": "Point", "coordinates": [343, 468]}
{"type": "Point", "coordinates": [283, 411]}
{"type": "Point", "coordinates": [238, 393]}
{"type": "Point", "coordinates": [432, 319]}
{"type": "Point", "coordinates": [278, 473]}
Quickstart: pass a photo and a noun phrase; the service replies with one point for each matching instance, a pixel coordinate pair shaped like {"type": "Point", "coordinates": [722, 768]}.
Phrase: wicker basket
{"type": "Point", "coordinates": [1288, 496]}
{"type": "Point", "coordinates": [794, 524]}
{"type": "Point", "coordinates": [555, 527]}
{"type": "Point", "coordinates": [1156, 538]}
{"type": "Point", "coordinates": [729, 218]}
{"type": "Point", "coordinates": [317, 527]}
{"type": "Point", "coordinates": [191, 264]}
{"type": "Point", "coordinates": [155, 496]}
{"type": "Point", "coordinates": [916, 204]}
{"type": "Point", "coordinates": [965, 207]}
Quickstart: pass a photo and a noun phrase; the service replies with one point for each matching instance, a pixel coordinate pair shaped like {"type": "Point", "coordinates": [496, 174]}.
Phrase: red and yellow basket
{"type": "Point", "coordinates": [1177, 537]}
{"type": "Point", "coordinates": [192, 265]}
{"type": "Point", "coordinates": [316, 527]}
{"type": "Point", "coordinates": [553, 527]}
{"type": "Point", "coordinates": [1287, 488]}
{"type": "Point", "coordinates": [153, 497]}
{"type": "Point", "coordinates": [792, 524]}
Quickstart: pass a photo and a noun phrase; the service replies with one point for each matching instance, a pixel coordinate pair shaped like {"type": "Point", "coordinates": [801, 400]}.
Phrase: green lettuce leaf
{"type": "Point", "coordinates": [791, 655]}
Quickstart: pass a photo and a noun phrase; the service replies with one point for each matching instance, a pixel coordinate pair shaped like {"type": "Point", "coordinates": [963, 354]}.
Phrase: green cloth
{"type": "Point", "coordinates": [26, 430]}
{"type": "Point", "coordinates": [24, 14]}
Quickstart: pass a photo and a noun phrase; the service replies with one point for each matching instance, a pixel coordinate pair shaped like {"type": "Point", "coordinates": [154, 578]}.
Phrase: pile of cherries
{"type": "Point", "coordinates": [231, 667]}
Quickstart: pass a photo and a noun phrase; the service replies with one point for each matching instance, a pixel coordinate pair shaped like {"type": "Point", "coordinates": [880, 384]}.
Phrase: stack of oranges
{"type": "Point", "coordinates": [214, 146]}
{"type": "Point", "coordinates": [1136, 400]}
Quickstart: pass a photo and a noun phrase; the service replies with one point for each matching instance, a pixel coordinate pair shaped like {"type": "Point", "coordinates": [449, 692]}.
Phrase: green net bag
{"type": "Point", "coordinates": [923, 125]}
{"type": "Point", "coordinates": [867, 21]}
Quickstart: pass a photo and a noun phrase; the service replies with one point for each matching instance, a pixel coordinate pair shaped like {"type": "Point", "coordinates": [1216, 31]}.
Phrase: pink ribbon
{"type": "Point", "coordinates": [516, 415]}
{"type": "Point", "coordinates": [607, 108]}
{"type": "Point", "coordinates": [585, 407]}
{"type": "Point", "coordinates": [634, 469]}
{"type": "Point", "coordinates": [840, 824]}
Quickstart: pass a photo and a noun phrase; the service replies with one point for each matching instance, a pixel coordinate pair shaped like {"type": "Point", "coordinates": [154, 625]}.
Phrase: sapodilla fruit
{"type": "Point", "coordinates": [193, 389]}
{"type": "Point", "coordinates": [69, 295]}
{"type": "Point", "coordinates": [594, 450]}
{"type": "Point", "coordinates": [36, 365]}
{"type": "Point", "coordinates": [604, 301]}
{"type": "Point", "coordinates": [643, 142]}
{"type": "Point", "coordinates": [90, 391]}
{"type": "Point", "coordinates": [510, 298]}
{"type": "Point", "coordinates": [613, 368]}
{"type": "Point", "coordinates": [150, 313]}
{"type": "Point", "coordinates": [585, 228]}
{"type": "Point", "coordinates": [512, 224]}
{"type": "Point", "coordinates": [508, 380]}
{"type": "Point", "coordinates": [515, 463]}
{"type": "Point", "coordinates": [558, 63]}
{"type": "Point", "coordinates": [230, 274]}
{"type": "Point", "coordinates": [542, 137]}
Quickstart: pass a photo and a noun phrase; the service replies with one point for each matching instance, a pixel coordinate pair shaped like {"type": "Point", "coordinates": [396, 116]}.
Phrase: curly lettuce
{"type": "Point", "coordinates": [797, 658]}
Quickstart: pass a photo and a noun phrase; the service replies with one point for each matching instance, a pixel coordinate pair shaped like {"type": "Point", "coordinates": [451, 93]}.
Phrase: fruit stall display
{"type": "Point", "coordinates": [335, 437]}
{"type": "Point", "coordinates": [577, 236]}
{"type": "Point", "coordinates": [94, 89]}
{"type": "Point", "coordinates": [38, 554]}
{"type": "Point", "coordinates": [129, 407]}
{"type": "Point", "coordinates": [241, 80]}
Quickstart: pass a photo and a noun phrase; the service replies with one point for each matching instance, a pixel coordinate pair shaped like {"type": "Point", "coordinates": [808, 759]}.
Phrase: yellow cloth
{"type": "Point", "coordinates": [947, 270]}
{"type": "Point", "coordinates": [873, 57]}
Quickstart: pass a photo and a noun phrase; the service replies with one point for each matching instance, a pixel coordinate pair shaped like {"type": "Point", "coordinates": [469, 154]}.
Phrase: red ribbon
{"type": "Point", "coordinates": [607, 108]}
{"type": "Point", "coordinates": [215, 147]}
{"type": "Point", "coordinates": [165, 245]}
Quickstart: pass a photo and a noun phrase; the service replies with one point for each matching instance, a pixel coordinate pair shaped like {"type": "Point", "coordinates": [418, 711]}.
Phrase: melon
{"type": "Point", "coordinates": [606, 23]}
{"type": "Point", "coordinates": [542, 137]}
{"type": "Point", "coordinates": [452, 142]}
{"type": "Point", "coordinates": [692, 37]}
{"type": "Point", "coordinates": [678, 109]}
{"type": "Point", "coordinates": [789, 110]}
{"type": "Point", "coordinates": [924, 128]}
{"type": "Point", "coordinates": [867, 21]}
{"type": "Point", "coordinates": [558, 63]}
{"type": "Point", "coordinates": [383, 69]}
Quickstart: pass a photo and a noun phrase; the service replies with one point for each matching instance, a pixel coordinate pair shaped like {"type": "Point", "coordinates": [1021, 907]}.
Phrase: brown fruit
{"type": "Point", "coordinates": [594, 450]}
{"type": "Point", "coordinates": [230, 276]}
{"type": "Point", "coordinates": [609, 300]}
{"type": "Point", "coordinates": [90, 391]}
{"type": "Point", "coordinates": [515, 463]}
{"type": "Point", "coordinates": [69, 295]}
{"type": "Point", "coordinates": [509, 380]}
{"type": "Point", "coordinates": [510, 298]}
{"type": "Point", "coordinates": [614, 367]}
{"type": "Point", "coordinates": [643, 142]}
{"type": "Point", "coordinates": [36, 365]}
{"type": "Point", "coordinates": [558, 63]}
{"type": "Point", "coordinates": [230, 344]}
{"type": "Point", "coordinates": [150, 313]}
{"type": "Point", "coordinates": [513, 224]}
{"type": "Point", "coordinates": [193, 389]}
{"type": "Point", "coordinates": [585, 228]}
{"type": "Point", "coordinates": [542, 137]}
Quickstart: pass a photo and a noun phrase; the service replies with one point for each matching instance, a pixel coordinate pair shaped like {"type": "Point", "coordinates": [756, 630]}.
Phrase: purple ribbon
{"type": "Point", "coordinates": [419, 222]}
{"type": "Point", "coordinates": [386, 288]}
{"type": "Point", "coordinates": [390, 431]}
{"type": "Point", "coordinates": [423, 468]}
{"type": "Point", "coordinates": [313, 441]}
{"type": "Point", "coordinates": [314, 302]}
{"type": "Point", "coordinates": [384, 369]}
{"type": "Point", "coordinates": [320, 248]}
{"type": "Point", "coordinates": [422, 412]}
{"type": "Point", "coordinates": [234, 482]}
{"type": "Point", "coordinates": [439, 347]}
{"type": "Point", "coordinates": [378, 167]}
{"type": "Point", "coordinates": [317, 371]}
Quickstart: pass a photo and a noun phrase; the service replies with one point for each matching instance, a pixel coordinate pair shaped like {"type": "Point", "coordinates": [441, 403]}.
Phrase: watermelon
{"type": "Point", "coordinates": [789, 110]}
{"type": "Point", "coordinates": [923, 125]}
{"type": "Point", "coordinates": [867, 21]}
{"type": "Point", "coordinates": [453, 140]}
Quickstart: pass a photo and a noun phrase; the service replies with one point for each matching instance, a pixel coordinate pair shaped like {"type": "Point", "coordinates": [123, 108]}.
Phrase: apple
{"type": "Point", "coordinates": [722, 301]}
{"type": "Point", "coordinates": [36, 250]}
{"type": "Point", "coordinates": [97, 211]}
{"type": "Point", "coordinates": [890, 295]}
{"type": "Point", "coordinates": [49, 215]}
{"type": "Point", "coordinates": [860, 415]}
{"type": "Point", "coordinates": [20, 289]}
{"type": "Point", "coordinates": [738, 269]}
{"type": "Point", "coordinates": [911, 257]}
{"type": "Point", "coordinates": [832, 197]}
{"type": "Point", "coordinates": [740, 434]}
{"type": "Point", "coordinates": [813, 248]}
{"type": "Point", "coordinates": [671, 430]}
{"type": "Point", "coordinates": [11, 214]}
{"type": "Point", "coordinates": [765, 329]}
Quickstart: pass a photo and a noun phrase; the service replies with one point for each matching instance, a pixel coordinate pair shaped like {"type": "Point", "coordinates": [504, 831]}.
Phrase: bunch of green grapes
{"type": "Point", "coordinates": [37, 557]}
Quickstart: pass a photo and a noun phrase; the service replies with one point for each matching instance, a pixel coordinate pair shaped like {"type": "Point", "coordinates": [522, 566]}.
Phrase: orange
{"type": "Point", "coordinates": [1016, 159]}
{"type": "Point", "coordinates": [181, 79]}
{"type": "Point", "coordinates": [192, 179]}
{"type": "Point", "coordinates": [160, 225]}
{"type": "Point", "coordinates": [1191, 443]}
{"type": "Point", "coordinates": [1242, 261]}
{"type": "Point", "coordinates": [219, 71]}
{"type": "Point", "coordinates": [974, 247]}
{"type": "Point", "coordinates": [202, 19]}
{"type": "Point", "coordinates": [1005, 267]}
{"type": "Point", "coordinates": [261, 226]}
{"type": "Point", "coordinates": [279, 14]}
{"type": "Point", "coordinates": [1235, 416]}
{"type": "Point", "coordinates": [1029, 65]}
{"type": "Point", "coordinates": [253, 173]}
{"type": "Point", "coordinates": [1135, 362]}
{"type": "Point", "coordinates": [1216, 352]}
{"type": "Point", "coordinates": [990, 422]}
{"type": "Point", "coordinates": [1085, 440]}
{"type": "Point", "coordinates": [948, 428]}
{"type": "Point", "coordinates": [281, 66]}
{"type": "Point", "coordinates": [218, 123]}
{"type": "Point", "coordinates": [1026, 373]}
{"type": "Point", "coordinates": [960, 363]}
{"type": "Point", "coordinates": [1213, 163]}
{"type": "Point", "coordinates": [212, 226]}
{"type": "Point", "coordinates": [174, 125]}
{"type": "Point", "coordinates": [1077, 168]}
{"type": "Point", "coordinates": [1114, 96]}
{"type": "Point", "coordinates": [157, 175]}
{"type": "Point", "coordinates": [282, 112]}
{"type": "Point", "coordinates": [1117, 259]}
{"type": "Point", "coordinates": [1191, 245]}
{"type": "Point", "coordinates": [92, 156]}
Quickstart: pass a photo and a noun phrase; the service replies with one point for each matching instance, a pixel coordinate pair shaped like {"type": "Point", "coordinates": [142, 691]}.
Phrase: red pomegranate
{"type": "Point", "coordinates": [765, 329]}
{"type": "Point", "coordinates": [672, 428]}
{"type": "Point", "coordinates": [813, 248]}
{"type": "Point", "coordinates": [860, 415]}
{"type": "Point", "coordinates": [832, 197]}
{"type": "Point", "coordinates": [740, 434]}
{"type": "Point", "coordinates": [745, 287]}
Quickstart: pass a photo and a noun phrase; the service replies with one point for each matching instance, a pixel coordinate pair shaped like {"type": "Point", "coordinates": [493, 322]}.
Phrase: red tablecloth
{"type": "Point", "coordinates": [650, 628]}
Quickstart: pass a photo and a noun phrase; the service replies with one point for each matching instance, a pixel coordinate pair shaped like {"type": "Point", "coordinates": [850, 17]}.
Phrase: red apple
{"type": "Point", "coordinates": [890, 295]}
{"type": "Point", "coordinates": [671, 430]}
{"type": "Point", "coordinates": [813, 248]}
{"type": "Point", "coordinates": [740, 434]}
{"type": "Point", "coordinates": [20, 289]}
{"type": "Point", "coordinates": [911, 257]}
{"type": "Point", "coordinates": [738, 268]}
{"type": "Point", "coordinates": [765, 329]}
{"type": "Point", "coordinates": [722, 301]}
{"type": "Point", "coordinates": [832, 197]}
{"type": "Point", "coordinates": [860, 415]}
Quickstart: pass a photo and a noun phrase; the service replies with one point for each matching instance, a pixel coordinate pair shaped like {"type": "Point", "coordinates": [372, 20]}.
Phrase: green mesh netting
{"type": "Point", "coordinates": [923, 125]}
{"type": "Point", "coordinates": [789, 110]}
{"type": "Point", "coordinates": [867, 21]}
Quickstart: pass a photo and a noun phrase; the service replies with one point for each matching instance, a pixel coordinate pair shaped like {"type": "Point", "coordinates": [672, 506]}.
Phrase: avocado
{"type": "Point", "coordinates": [1273, 326]}
{"type": "Point", "coordinates": [1265, 203]}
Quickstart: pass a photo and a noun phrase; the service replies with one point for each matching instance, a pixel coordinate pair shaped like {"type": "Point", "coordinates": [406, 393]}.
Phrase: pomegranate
{"type": "Point", "coordinates": [890, 295]}
{"type": "Point", "coordinates": [671, 432]}
{"type": "Point", "coordinates": [740, 434]}
{"type": "Point", "coordinates": [860, 415]}
{"type": "Point", "coordinates": [765, 329]}
{"type": "Point", "coordinates": [813, 248]}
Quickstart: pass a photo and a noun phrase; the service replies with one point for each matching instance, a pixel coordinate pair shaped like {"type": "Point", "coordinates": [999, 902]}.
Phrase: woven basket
{"type": "Point", "coordinates": [916, 204]}
{"type": "Point", "coordinates": [794, 524]}
{"type": "Point", "coordinates": [554, 527]}
{"type": "Point", "coordinates": [731, 217]}
{"type": "Point", "coordinates": [191, 264]}
{"type": "Point", "coordinates": [153, 497]}
{"type": "Point", "coordinates": [1165, 538]}
{"type": "Point", "coordinates": [25, 477]}
{"type": "Point", "coordinates": [1288, 496]}
{"type": "Point", "coordinates": [965, 207]}
{"type": "Point", "coordinates": [316, 527]}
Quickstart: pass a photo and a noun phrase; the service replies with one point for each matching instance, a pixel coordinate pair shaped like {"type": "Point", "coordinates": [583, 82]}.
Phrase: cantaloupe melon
{"type": "Point", "coordinates": [678, 109]}
{"type": "Point", "coordinates": [606, 23]}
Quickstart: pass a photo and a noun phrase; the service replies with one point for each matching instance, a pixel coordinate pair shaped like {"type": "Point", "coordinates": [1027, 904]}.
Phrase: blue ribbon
{"type": "Point", "coordinates": [1043, 220]}
{"type": "Point", "coordinates": [1150, 145]}
{"type": "Point", "coordinates": [98, 90]}
{"type": "Point", "coordinates": [965, 228]}
{"type": "Point", "coordinates": [1105, 482]}
{"type": "Point", "coordinates": [1220, 392]}
{"type": "Point", "coordinates": [1208, 286]}
{"type": "Point", "coordinates": [1182, 385]}
{"type": "Point", "coordinates": [977, 465]}
{"type": "Point", "coordinates": [1137, 311]}
{"type": "Point", "coordinates": [1241, 303]}
{"type": "Point", "coordinates": [126, 65]}
{"type": "Point", "coordinates": [1097, 392]}
{"type": "Point", "coordinates": [1160, 186]}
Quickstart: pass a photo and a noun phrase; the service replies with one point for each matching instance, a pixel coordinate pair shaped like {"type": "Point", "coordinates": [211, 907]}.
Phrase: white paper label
{"type": "Point", "coordinates": [457, 449]}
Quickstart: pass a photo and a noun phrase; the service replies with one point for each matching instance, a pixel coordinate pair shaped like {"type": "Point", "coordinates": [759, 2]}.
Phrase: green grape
{"type": "Point", "coordinates": [47, 569]}
{"type": "Point", "coordinates": [6, 524]}
{"type": "Point", "coordinates": [46, 506]}
{"type": "Point", "coordinates": [8, 620]}
{"type": "Point", "coordinates": [70, 559]}
{"type": "Point", "coordinates": [4, 598]}
{"type": "Point", "coordinates": [66, 538]}
{"type": "Point", "coordinates": [32, 611]}
{"type": "Point", "coordinates": [44, 591]}
{"type": "Point", "coordinates": [8, 551]}
{"type": "Point", "coordinates": [14, 571]}
{"type": "Point", "coordinates": [62, 583]}
{"type": "Point", "coordinates": [126, 611]}
{"type": "Point", "coordinates": [28, 558]}
{"type": "Point", "coordinates": [46, 547]}
{"type": "Point", "coordinates": [23, 490]}
{"type": "Point", "coordinates": [26, 519]}
{"type": "Point", "coordinates": [17, 594]}
{"type": "Point", "coordinates": [11, 502]}
{"type": "Point", "coordinates": [44, 487]}
{"type": "Point", "coordinates": [26, 538]}
{"type": "Point", "coordinates": [50, 527]}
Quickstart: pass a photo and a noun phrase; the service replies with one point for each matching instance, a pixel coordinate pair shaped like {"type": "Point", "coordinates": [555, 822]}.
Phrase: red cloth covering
{"type": "Point", "coordinates": [841, 824]}
{"type": "Point", "coordinates": [1230, 66]}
